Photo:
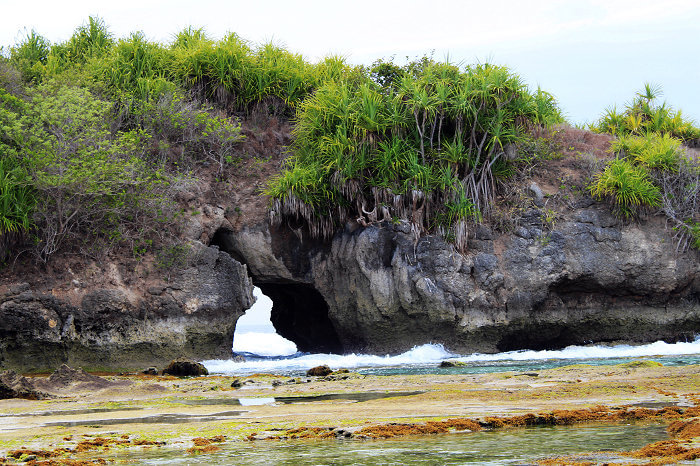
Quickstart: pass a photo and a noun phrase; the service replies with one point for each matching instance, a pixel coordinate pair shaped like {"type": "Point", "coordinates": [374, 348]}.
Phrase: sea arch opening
{"type": "Point", "coordinates": [255, 333]}
{"type": "Point", "coordinates": [298, 312]}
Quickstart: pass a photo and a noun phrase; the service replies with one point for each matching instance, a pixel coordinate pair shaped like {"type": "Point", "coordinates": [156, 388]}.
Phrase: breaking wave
{"type": "Point", "coordinates": [264, 360]}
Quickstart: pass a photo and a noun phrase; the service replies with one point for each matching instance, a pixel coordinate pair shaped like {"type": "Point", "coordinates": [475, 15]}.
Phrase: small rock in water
{"type": "Point", "coordinates": [150, 371]}
{"type": "Point", "coordinates": [183, 368]}
{"type": "Point", "coordinates": [238, 358]}
{"type": "Point", "coordinates": [452, 364]}
{"type": "Point", "coordinates": [236, 384]}
{"type": "Point", "coordinates": [319, 371]}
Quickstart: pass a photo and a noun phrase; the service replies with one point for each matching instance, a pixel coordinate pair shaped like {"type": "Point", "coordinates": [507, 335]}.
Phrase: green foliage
{"type": "Point", "coordinates": [91, 40]}
{"type": "Point", "coordinates": [17, 202]}
{"type": "Point", "coordinates": [643, 116]}
{"type": "Point", "coordinates": [71, 182]}
{"type": "Point", "coordinates": [654, 171]}
{"type": "Point", "coordinates": [30, 56]}
{"type": "Point", "coordinates": [423, 142]}
{"type": "Point", "coordinates": [628, 186]}
{"type": "Point", "coordinates": [174, 121]}
{"type": "Point", "coordinates": [651, 151]}
{"type": "Point", "coordinates": [547, 111]}
{"type": "Point", "coordinates": [173, 257]}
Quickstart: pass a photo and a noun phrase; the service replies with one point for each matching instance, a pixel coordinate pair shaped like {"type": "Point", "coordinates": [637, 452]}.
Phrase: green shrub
{"type": "Point", "coordinates": [91, 40]}
{"type": "Point", "coordinates": [424, 142]}
{"type": "Point", "coordinates": [30, 56]}
{"type": "Point", "coordinates": [652, 151]}
{"type": "Point", "coordinates": [17, 201]}
{"type": "Point", "coordinates": [83, 187]}
{"type": "Point", "coordinates": [643, 116]}
{"type": "Point", "coordinates": [629, 187]}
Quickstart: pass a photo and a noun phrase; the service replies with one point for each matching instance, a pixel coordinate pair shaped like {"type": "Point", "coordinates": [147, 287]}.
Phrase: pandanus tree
{"type": "Point", "coordinates": [421, 145]}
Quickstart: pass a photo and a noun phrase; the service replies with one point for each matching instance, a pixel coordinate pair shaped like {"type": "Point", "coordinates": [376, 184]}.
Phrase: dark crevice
{"type": "Point", "coordinates": [299, 312]}
{"type": "Point", "coordinates": [222, 239]}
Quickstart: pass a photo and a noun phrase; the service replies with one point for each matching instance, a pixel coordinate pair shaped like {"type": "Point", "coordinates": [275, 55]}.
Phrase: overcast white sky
{"type": "Point", "coordinates": [588, 53]}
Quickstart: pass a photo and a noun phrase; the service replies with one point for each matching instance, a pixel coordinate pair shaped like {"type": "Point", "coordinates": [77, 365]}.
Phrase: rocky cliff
{"type": "Point", "coordinates": [564, 271]}
{"type": "Point", "coordinates": [124, 322]}
{"type": "Point", "coordinates": [590, 278]}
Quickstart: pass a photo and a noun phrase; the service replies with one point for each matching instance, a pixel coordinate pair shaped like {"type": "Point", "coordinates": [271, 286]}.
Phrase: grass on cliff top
{"type": "Point", "coordinates": [426, 143]}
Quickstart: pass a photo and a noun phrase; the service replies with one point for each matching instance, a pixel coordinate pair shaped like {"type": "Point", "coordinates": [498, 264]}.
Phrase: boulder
{"type": "Point", "coordinates": [185, 368]}
{"type": "Point", "coordinates": [452, 364]}
{"type": "Point", "coordinates": [319, 371]}
{"type": "Point", "coordinates": [13, 385]}
{"type": "Point", "coordinates": [66, 378]}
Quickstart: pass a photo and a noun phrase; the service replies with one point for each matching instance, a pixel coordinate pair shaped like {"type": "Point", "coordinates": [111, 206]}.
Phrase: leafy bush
{"type": "Point", "coordinates": [651, 151]}
{"type": "Point", "coordinates": [680, 200]}
{"type": "Point", "coordinates": [654, 171]}
{"type": "Point", "coordinates": [85, 187]}
{"type": "Point", "coordinates": [173, 121]}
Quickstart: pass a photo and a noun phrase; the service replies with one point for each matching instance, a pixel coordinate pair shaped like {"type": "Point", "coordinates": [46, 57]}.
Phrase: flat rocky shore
{"type": "Point", "coordinates": [82, 418]}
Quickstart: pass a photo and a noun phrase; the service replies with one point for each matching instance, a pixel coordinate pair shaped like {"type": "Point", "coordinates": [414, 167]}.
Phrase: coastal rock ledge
{"type": "Point", "coordinates": [590, 278]}
{"type": "Point", "coordinates": [193, 315]}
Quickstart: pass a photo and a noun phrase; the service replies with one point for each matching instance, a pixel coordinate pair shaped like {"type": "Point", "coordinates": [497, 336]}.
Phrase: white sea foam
{"type": "Point", "coordinates": [432, 354]}
{"type": "Point", "coordinates": [263, 344]}
{"type": "Point", "coordinates": [418, 355]}
{"type": "Point", "coordinates": [659, 348]}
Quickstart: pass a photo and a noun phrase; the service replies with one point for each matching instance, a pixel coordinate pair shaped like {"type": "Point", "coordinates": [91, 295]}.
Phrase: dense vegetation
{"type": "Point", "coordinates": [98, 135]}
{"type": "Point", "coordinates": [651, 169]}
{"type": "Point", "coordinates": [645, 116]}
{"type": "Point", "coordinates": [424, 143]}
{"type": "Point", "coordinates": [95, 143]}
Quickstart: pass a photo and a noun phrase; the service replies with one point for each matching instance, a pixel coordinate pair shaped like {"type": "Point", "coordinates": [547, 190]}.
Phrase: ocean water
{"type": "Point", "coordinates": [499, 447]}
{"type": "Point", "coordinates": [266, 351]}
{"type": "Point", "coordinates": [426, 359]}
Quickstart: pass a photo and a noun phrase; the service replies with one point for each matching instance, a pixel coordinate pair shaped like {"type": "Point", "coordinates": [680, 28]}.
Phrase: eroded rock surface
{"type": "Point", "coordinates": [191, 315]}
{"type": "Point", "coordinates": [591, 278]}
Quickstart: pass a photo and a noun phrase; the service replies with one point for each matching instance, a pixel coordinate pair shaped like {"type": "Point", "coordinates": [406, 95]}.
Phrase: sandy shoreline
{"type": "Point", "coordinates": [197, 414]}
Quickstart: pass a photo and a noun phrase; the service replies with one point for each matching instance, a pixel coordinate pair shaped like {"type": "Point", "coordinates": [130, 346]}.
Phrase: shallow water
{"type": "Point", "coordinates": [356, 397]}
{"type": "Point", "coordinates": [499, 447]}
{"type": "Point", "coordinates": [70, 412]}
{"type": "Point", "coordinates": [155, 419]}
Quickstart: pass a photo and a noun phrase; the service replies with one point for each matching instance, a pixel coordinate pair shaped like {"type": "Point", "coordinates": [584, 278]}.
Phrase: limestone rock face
{"type": "Point", "coordinates": [192, 315]}
{"type": "Point", "coordinates": [589, 279]}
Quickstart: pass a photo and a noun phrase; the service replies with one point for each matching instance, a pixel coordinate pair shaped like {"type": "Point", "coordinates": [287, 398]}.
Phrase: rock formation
{"type": "Point", "coordinates": [191, 315]}
{"type": "Point", "coordinates": [591, 278]}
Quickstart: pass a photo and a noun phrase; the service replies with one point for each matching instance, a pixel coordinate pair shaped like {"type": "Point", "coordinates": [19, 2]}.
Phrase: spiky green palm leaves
{"type": "Point", "coordinates": [30, 56]}
{"type": "Point", "coordinates": [632, 180]}
{"type": "Point", "coordinates": [17, 201]}
{"type": "Point", "coordinates": [643, 116]}
{"type": "Point", "coordinates": [423, 148]}
{"type": "Point", "coordinates": [628, 186]}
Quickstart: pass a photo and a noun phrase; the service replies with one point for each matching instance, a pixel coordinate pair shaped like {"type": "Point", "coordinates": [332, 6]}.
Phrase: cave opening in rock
{"type": "Point", "coordinates": [299, 313]}
{"type": "Point", "coordinates": [255, 333]}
